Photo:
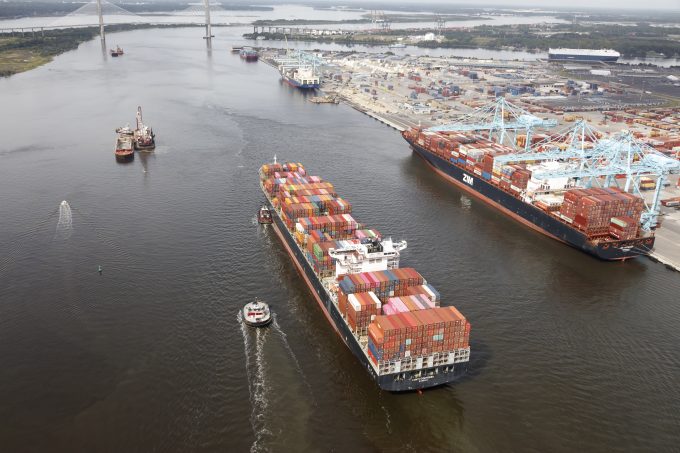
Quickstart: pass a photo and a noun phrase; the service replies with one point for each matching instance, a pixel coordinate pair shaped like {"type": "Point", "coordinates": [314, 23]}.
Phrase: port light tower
{"type": "Point", "coordinates": [502, 121]}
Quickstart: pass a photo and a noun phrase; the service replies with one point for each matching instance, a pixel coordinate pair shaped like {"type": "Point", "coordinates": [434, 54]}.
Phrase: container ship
{"type": "Point", "coordinates": [606, 55]}
{"type": "Point", "coordinates": [249, 54]}
{"type": "Point", "coordinates": [603, 222]}
{"type": "Point", "coordinates": [389, 317]}
{"type": "Point", "coordinates": [303, 78]}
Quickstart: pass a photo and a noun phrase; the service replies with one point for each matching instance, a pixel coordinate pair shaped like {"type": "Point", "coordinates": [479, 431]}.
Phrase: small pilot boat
{"type": "Point", "coordinates": [257, 314]}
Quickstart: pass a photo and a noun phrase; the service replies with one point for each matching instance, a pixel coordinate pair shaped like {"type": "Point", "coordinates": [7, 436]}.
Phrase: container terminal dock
{"type": "Point", "coordinates": [563, 125]}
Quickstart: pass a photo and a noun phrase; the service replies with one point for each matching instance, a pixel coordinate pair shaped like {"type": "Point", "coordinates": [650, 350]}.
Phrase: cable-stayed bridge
{"type": "Point", "coordinates": [99, 13]}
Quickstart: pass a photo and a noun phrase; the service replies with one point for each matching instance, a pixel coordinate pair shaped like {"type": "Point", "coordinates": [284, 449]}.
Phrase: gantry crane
{"type": "Point", "coordinates": [593, 161]}
{"type": "Point", "coordinates": [502, 120]}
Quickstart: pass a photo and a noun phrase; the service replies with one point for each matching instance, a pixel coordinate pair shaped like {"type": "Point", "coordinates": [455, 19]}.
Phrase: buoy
{"type": "Point", "coordinates": [420, 392]}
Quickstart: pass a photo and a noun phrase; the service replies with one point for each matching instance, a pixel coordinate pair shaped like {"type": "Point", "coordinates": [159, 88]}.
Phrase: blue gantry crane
{"type": "Point", "coordinates": [502, 121]}
{"type": "Point", "coordinates": [296, 58]}
{"type": "Point", "coordinates": [592, 161]}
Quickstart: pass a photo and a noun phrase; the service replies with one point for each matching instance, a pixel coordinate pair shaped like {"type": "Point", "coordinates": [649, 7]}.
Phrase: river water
{"type": "Point", "coordinates": [568, 353]}
{"type": "Point", "coordinates": [239, 20]}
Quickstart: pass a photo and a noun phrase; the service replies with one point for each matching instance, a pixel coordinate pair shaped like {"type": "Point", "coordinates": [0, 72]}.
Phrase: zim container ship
{"type": "Point", "coordinates": [388, 316]}
{"type": "Point", "coordinates": [603, 222]}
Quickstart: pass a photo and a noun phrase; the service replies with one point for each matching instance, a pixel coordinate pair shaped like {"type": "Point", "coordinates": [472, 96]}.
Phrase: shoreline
{"type": "Point", "coordinates": [19, 54]}
{"type": "Point", "coordinates": [667, 257]}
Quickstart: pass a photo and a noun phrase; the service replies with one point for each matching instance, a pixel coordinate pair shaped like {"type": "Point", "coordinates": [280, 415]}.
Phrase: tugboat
{"type": "Point", "coordinates": [124, 149]}
{"type": "Point", "coordinates": [144, 138]}
{"type": "Point", "coordinates": [264, 215]}
{"type": "Point", "coordinates": [257, 314]}
{"type": "Point", "coordinates": [116, 52]}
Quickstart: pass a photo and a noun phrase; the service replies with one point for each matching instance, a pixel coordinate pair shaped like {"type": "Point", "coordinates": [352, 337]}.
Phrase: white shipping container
{"type": "Point", "coordinates": [354, 302]}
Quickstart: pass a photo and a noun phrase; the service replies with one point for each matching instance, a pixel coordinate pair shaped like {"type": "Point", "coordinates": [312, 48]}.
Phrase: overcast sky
{"type": "Point", "coordinates": [638, 4]}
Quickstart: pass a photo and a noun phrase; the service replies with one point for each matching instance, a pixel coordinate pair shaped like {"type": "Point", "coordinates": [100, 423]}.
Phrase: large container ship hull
{"type": "Point", "coordinates": [584, 58]}
{"type": "Point", "coordinates": [532, 216]}
{"type": "Point", "coordinates": [303, 86]}
{"type": "Point", "coordinates": [398, 382]}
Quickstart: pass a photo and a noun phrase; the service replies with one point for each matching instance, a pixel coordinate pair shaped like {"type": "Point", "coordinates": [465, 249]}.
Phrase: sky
{"type": "Point", "coordinates": [633, 4]}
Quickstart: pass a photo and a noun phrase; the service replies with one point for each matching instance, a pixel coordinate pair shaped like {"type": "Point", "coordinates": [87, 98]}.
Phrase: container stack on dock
{"type": "Point", "coordinates": [393, 317]}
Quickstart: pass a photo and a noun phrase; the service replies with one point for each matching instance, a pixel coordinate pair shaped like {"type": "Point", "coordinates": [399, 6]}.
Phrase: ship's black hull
{"type": "Point", "coordinates": [532, 216]}
{"type": "Point", "coordinates": [397, 382]}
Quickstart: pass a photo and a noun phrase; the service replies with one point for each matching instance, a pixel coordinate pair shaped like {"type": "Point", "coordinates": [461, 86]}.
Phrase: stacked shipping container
{"type": "Point", "coordinates": [623, 228]}
{"type": "Point", "coordinates": [417, 334]}
{"type": "Point", "coordinates": [360, 309]}
{"type": "Point", "coordinates": [395, 309]}
{"type": "Point", "coordinates": [589, 210]}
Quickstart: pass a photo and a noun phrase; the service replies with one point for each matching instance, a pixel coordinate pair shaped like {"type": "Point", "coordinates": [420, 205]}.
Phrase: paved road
{"type": "Point", "coordinates": [667, 245]}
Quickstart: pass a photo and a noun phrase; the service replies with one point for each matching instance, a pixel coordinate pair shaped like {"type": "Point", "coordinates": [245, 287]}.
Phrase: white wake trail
{"type": "Point", "coordinates": [257, 384]}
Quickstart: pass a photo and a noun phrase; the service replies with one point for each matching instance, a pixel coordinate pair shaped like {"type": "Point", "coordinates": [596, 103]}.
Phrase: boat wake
{"type": "Point", "coordinates": [257, 385]}
{"type": "Point", "coordinates": [65, 223]}
{"type": "Point", "coordinates": [284, 338]}
{"type": "Point", "coordinates": [388, 421]}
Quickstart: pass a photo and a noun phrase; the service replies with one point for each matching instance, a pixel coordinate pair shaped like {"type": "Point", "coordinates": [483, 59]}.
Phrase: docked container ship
{"type": "Point", "coordinates": [389, 317]}
{"type": "Point", "coordinates": [603, 222]}
{"type": "Point", "coordinates": [606, 55]}
{"type": "Point", "coordinates": [303, 78]}
{"type": "Point", "coordinates": [249, 54]}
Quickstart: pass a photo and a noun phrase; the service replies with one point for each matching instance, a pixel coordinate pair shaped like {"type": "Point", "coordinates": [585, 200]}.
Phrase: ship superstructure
{"type": "Point", "coordinates": [144, 138]}
{"type": "Point", "coordinates": [303, 78]}
{"type": "Point", "coordinates": [300, 69]}
{"type": "Point", "coordinates": [389, 317]}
